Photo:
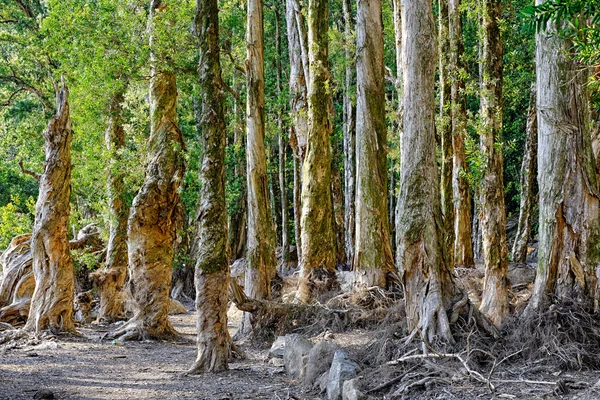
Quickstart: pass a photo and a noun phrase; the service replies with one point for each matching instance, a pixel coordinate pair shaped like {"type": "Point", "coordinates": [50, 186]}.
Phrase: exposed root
{"type": "Point", "coordinates": [134, 330]}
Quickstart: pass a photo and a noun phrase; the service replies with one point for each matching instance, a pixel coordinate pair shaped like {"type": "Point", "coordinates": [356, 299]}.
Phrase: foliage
{"type": "Point", "coordinates": [16, 218]}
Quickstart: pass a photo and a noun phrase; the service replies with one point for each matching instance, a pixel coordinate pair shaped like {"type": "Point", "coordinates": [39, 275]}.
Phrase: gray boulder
{"type": "Point", "coordinates": [295, 355]}
{"type": "Point", "coordinates": [319, 361]}
{"type": "Point", "coordinates": [278, 347]}
{"type": "Point", "coordinates": [342, 369]}
{"type": "Point", "coordinates": [351, 391]}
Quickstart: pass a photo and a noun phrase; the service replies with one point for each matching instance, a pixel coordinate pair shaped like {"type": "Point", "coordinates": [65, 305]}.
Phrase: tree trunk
{"type": "Point", "coordinates": [318, 239]}
{"type": "Point", "coordinates": [463, 247]}
{"type": "Point", "coordinates": [567, 180]}
{"type": "Point", "coordinates": [52, 301]}
{"type": "Point", "coordinates": [111, 279]}
{"type": "Point", "coordinates": [349, 135]}
{"type": "Point", "coordinates": [528, 169]}
{"type": "Point", "coordinates": [261, 267]}
{"type": "Point", "coordinates": [444, 128]}
{"type": "Point", "coordinates": [285, 230]}
{"type": "Point", "coordinates": [494, 301]}
{"type": "Point", "coordinates": [337, 198]}
{"type": "Point", "coordinates": [212, 267]}
{"type": "Point", "coordinates": [427, 280]}
{"type": "Point", "coordinates": [156, 211]}
{"type": "Point", "coordinates": [298, 107]}
{"type": "Point", "coordinates": [374, 259]}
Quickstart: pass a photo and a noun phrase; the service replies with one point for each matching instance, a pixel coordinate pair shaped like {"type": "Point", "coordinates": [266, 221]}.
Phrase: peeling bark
{"type": "Point", "coordinates": [52, 301]}
{"type": "Point", "coordinates": [494, 301]}
{"type": "Point", "coordinates": [318, 239]}
{"type": "Point", "coordinates": [212, 267]}
{"type": "Point", "coordinates": [427, 280]}
{"type": "Point", "coordinates": [461, 198]}
{"type": "Point", "coordinates": [568, 259]}
{"type": "Point", "coordinates": [528, 173]}
{"type": "Point", "coordinates": [374, 259]}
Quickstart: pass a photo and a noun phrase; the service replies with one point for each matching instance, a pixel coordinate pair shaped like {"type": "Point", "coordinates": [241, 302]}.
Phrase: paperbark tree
{"type": "Point", "coordinates": [567, 179]}
{"type": "Point", "coordinates": [461, 198]}
{"type": "Point", "coordinates": [373, 259]}
{"type": "Point", "coordinates": [444, 128]}
{"type": "Point", "coordinates": [212, 267]}
{"type": "Point", "coordinates": [318, 239]}
{"type": "Point", "coordinates": [427, 280]}
{"type": "Point", "coordinates": [111, 278]}
{"type": "Point", "coordinates": [261, 267]}
{"type": "Point", "coordinates": [494, 302]}
{"type": "Point", "coordinates": [156, 211]}
{"type": "Point", "coordinates": [528, 169]}
{"type": "Point", "coordinates": [349, 135]}
{"type": "Point", "coordinates": [52, 301]}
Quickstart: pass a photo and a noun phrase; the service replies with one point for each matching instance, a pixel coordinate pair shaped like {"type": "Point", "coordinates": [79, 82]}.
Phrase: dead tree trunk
{"type": "Point", "coordinates": [156, 211]}
{"type": "Point", "coordinates": [318, 239]}
{"type": "Point", "coordinates": [261, 267]}
{"type": "Point", "coordinates": [463, 247]}
{"type": "Point", "coordinates": [427, 280]}
{"type": "Point", "coordinates": [349, 135]}
{"type": "Point", "coordinates": [567, 179]}
{"type": "Point", "coordinates": [494, 301]}
{"type": "Point", "coordinates": [528, 173]}
{"type": "Point", "coordinates": [374, 259]}
{"type": "Point", "coordinates": [52, 301]}
{"type": "Point", "coordinates": [212, 267]}
{"type": "Point", "coordinates": [111, 278]}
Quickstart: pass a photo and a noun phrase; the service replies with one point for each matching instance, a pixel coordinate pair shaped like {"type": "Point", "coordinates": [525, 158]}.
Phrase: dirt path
{"type": "Point", "coordinates": [87, 368]}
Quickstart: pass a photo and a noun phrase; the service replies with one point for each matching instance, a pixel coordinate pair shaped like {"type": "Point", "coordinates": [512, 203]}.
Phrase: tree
{"type": "Point", "coordinates": [567, 178]}
{"type": "Point", "coordinates": [461, 198]}
{"type": "Point", "coordinates": [52, 301]}
{"type": "Point", "coordinates": [318, 239]}
{"type": "Point", "coordinates": [212, 268]}
{"type": "Point", "coordinates": [427, 280]}
{"type": "Point", "coordinates": [373, 258]}
{"type": "Point", "coordinates": [156, 210]}
{"type": "Point", "coordinates": [261, 236]}
{"type": "Point", "coordinates": [494, 302]}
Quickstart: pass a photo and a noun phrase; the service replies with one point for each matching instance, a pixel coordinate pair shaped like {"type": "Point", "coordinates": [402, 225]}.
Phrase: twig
{"type": "Point", "coordinates": [391, 382]}
{"type": "Point", "coordinates": [525, 381]}
{"type": "Point", "coordinates": [35, 175]}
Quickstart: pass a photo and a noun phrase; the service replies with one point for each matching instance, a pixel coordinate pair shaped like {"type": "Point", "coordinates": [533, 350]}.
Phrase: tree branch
{"type": "Point", "coordinates": [35, 175]}
{"type": "Point", "coordinates": [236, 66]}
{"type": "Point", "coordinates": [21, 83]}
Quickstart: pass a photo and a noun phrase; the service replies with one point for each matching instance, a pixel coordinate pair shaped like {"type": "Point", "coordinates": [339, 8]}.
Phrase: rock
{"type": "Point", "coordinates": [277, 362]}
{"type": "Point", "coordinates": [238, 271]}
{"type": "Point", "coordinates": [321, 382]}
{"type": "Point", "coordinates": [342, 369]}
{"type": "Point", "coordinates": [43, 394]}
{"type": "Point", "coordinates": [319, 361]}
{"type": "Point", "coordinates": [175, 307]}
{"type": "Point", "coordinates": [46, 346]}
{"type": "Point", "coordinates": [295, 355]}
{"type": "Point", "coordinates": [351, 391]}
{"type": "Point", "coordinates": [346, 280]}
{"type": "Point", "coordinates": [278, 347]}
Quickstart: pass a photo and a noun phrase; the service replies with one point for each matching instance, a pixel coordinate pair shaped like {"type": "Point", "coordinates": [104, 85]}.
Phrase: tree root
{"type": "Point", "coordinates": [134, 330]}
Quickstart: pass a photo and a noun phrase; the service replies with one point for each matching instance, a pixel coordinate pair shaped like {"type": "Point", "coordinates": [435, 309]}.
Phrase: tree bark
{"type": "Point", "coordinates": [318, 239]}
{"type": "Point", "coordinates": [52, 301]}
{"type": "Point", "coordinates": [528, 172]}
{"type": "Point", "coordinates": [349, 136]}
{"type": "Point", "coordinates": [494, 301]}
{"type": "Point", "coordinates": [156, 211]}
{"type": "Point", "coordinates": [111, 278]}
{"type": "Point", "coordinates": [212, 267]}
{"type": "Point", "coordinates": [461, 198]}
{"type": "Point", "coordinates": [567, 180]}
{"type": "Point", "coordinates": [444, 128]}
{"type": "Point", "coordinates": [374, 259]}
{"type": "Point", "coordinates": [261, 267]}
{"type": "Point", "coordinates": [427, 280]}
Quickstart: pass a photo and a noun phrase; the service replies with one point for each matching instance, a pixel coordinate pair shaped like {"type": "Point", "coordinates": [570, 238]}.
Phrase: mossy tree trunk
{"type": "Point", "coordinates": [567, 179]}
{"type": "Point", "coordinates": [52, 301]}
{"type": "Point", "coordinates": [373, 259]}
{"type": "Point", "coordinates": [298, 106]}
{"type": "Point", "coordinates": [444, 128]}
{"type": "Point", "coordinates": [494, 302]}
{"type": "Point", "coordinates": [461, 197]}
{"type": "Point", "coordinates": [111, 278]}
{"type": "Point", "coordinates": [528, 173]}
{"type": "Point", "coordinates": [156, 211]}
{"type": "Point", "coordinates": [419, 241]}
{"type": "Point", "coordinates": [212, 267]}
{"type": "Point", "coordinates": [261, 267]}
{"type": "Point", "coordinates": [349, 135]}
{"type": "Point", "coordinates": [318, 239]}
